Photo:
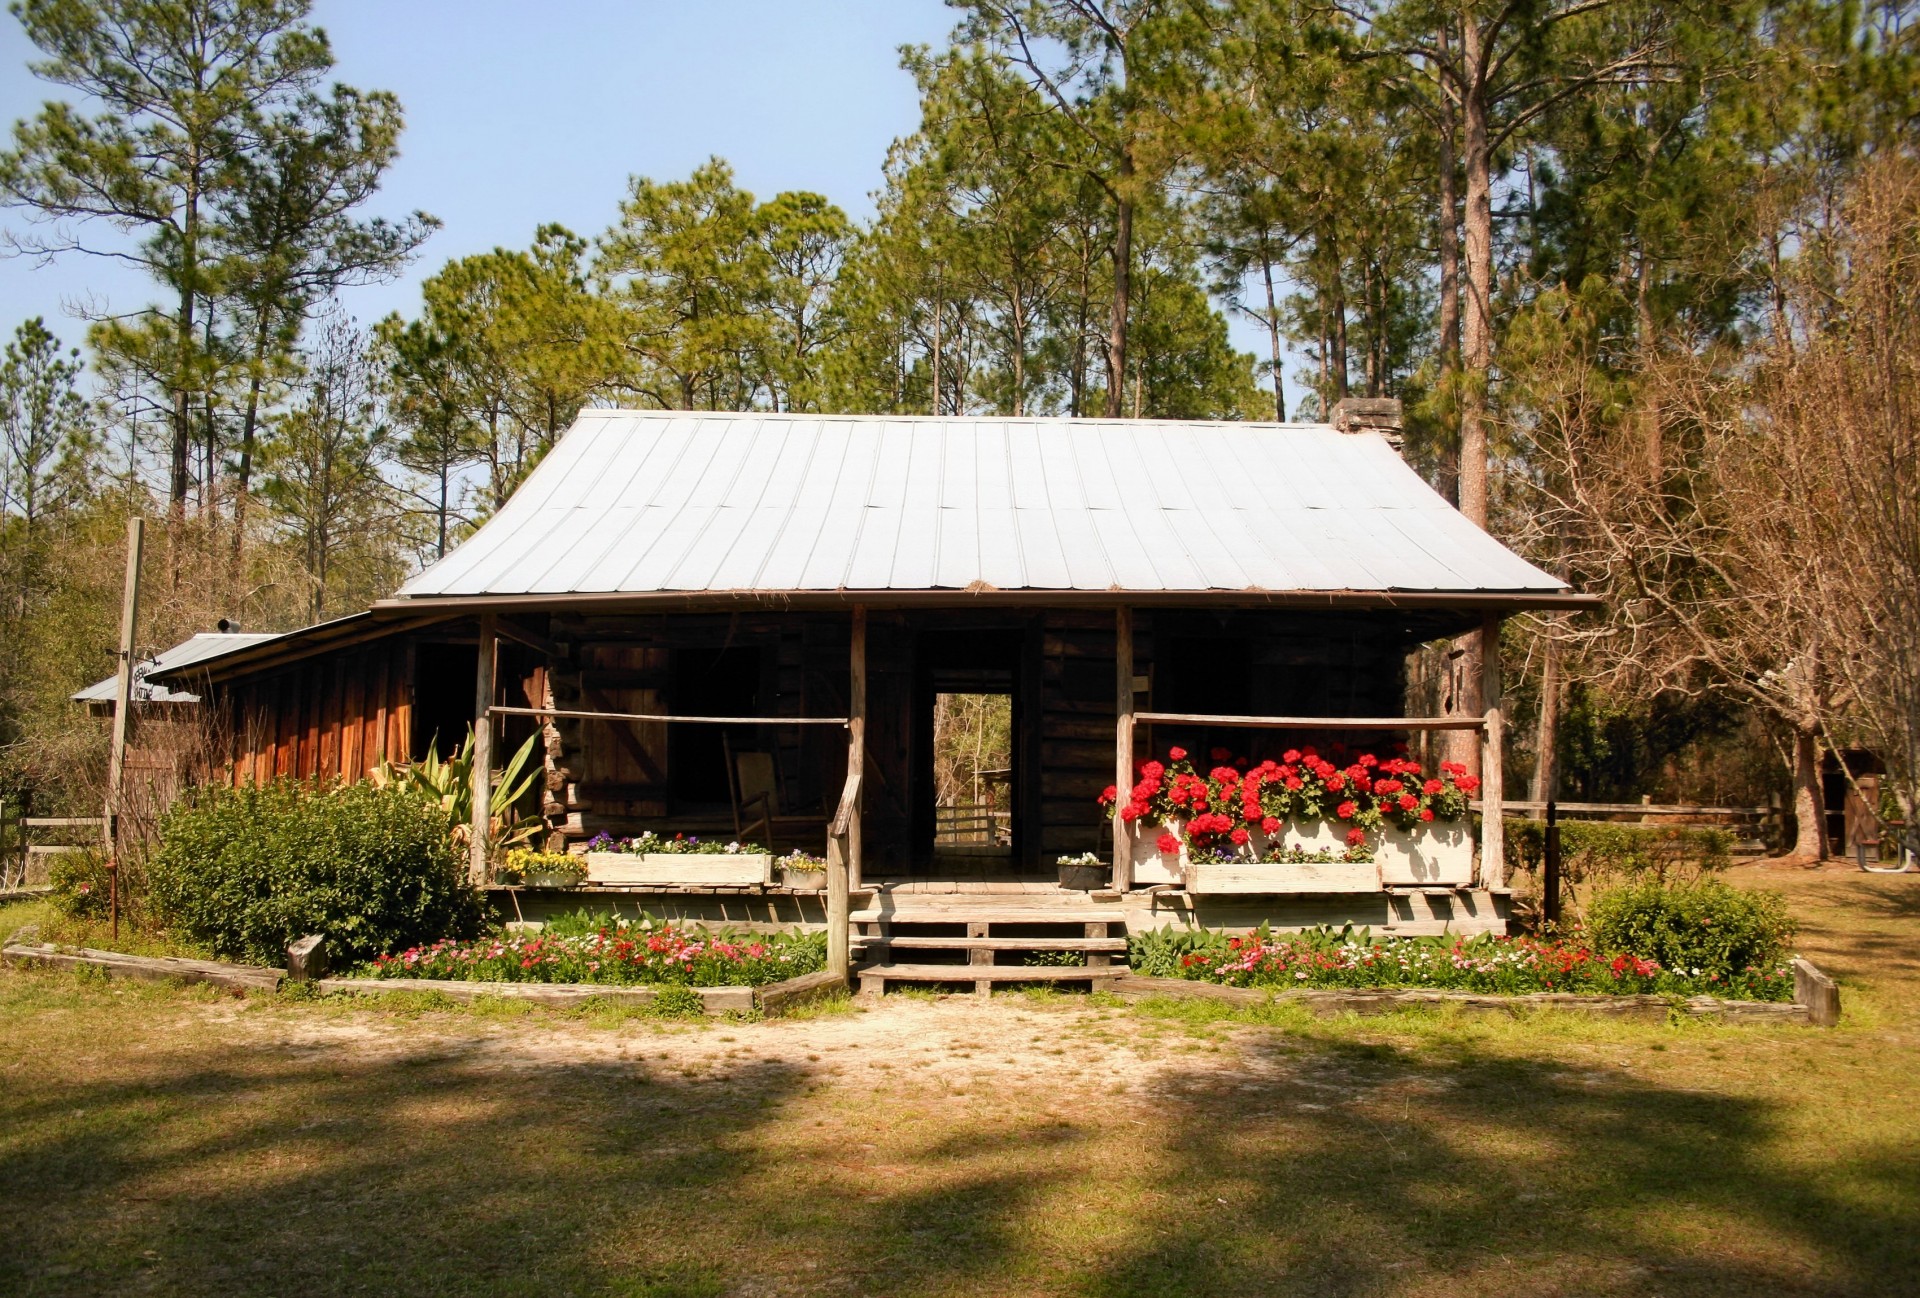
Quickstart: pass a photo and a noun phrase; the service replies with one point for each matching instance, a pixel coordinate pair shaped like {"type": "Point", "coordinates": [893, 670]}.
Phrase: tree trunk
{"type": "Point", "coordinates": [1810, 821]}
{"type": "Point", "coordinates": [1477, 330]}
{"type": "Point", "coordinates": [1449, 296]}
{"type": "Point", "coordinates": [1546, 730]}
{"type": "Point", "coordinates": [1122, 287]}
{"type": "Point", "coordinates": [1273, 334]}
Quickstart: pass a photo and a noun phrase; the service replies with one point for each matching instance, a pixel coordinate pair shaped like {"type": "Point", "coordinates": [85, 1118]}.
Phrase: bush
{"type": "Point", "coordinates": [80, 884]}
{"type": "Point", "coordinates": [1705, 929]}
{"type": "Point", "coordinates": [246, 871]}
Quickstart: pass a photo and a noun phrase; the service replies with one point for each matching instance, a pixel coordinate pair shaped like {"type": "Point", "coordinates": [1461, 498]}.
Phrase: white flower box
{"type": "Point", "coordinates": [1440, 854]}
{"type": "Point", "coordinates": [682, 869]}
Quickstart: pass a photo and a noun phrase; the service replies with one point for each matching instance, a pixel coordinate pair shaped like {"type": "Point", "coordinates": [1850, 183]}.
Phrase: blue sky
{"type": "Point", "coordinates": [521, 113]}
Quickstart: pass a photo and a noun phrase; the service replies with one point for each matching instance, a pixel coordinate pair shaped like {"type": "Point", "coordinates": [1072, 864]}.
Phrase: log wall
{"type": "Point", "coordinates": [333, 716]}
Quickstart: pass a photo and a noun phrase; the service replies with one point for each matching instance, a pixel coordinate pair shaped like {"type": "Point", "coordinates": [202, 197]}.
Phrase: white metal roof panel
{"type": "Point", "coordinates": [638, 502]}
{"type": "Point", "coordinates": [207, 644]}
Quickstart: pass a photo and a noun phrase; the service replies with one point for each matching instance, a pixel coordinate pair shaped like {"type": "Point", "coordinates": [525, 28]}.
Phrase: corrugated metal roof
{"type": "Point", "coordinates": [633, 502]}
{"type": "Point", "coordinates": [207, 644]}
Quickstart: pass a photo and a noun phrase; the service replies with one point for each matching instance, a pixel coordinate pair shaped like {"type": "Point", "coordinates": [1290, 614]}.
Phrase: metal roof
{"type": "Point", "coordinates": [649, 502]}
{"type": "Point", "coordinates": [206, 645]}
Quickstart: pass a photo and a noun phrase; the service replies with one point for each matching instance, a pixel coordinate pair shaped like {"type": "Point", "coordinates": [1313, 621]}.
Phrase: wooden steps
{"type": "Point", "coordinates": [989, 933]}
{"type": "Point", "coordinates": [874, 978]}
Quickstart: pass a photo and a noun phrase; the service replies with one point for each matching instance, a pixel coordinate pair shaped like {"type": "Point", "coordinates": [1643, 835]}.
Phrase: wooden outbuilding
{"type": "Point", "coordinates": [670, 592]}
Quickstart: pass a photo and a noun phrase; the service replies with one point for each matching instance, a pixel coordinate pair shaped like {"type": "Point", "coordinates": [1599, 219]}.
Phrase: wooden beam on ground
{"type": "Point", "coordinates": [1493, 831]}
{"type": "Point", "coordinates": [1123, 746]}
{"type": "Point", "coordinates": [482, 823]}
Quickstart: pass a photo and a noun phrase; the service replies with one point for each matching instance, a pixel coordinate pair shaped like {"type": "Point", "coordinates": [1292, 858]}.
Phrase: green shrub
{"type": "Point", "coordinates": [80, 884]}
{"type": "Point", "coordinates": [1706, 928]}
{"type": "Point", "coordinates": [246, 871]}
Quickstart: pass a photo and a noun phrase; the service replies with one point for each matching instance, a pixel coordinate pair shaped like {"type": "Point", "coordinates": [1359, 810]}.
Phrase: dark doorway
{"type": "Point", "coordinates": [968, 722]}
{"type": "Point", "coordinates": [443, 681]}
{"type": "Point", "coordinates": [708, 683]}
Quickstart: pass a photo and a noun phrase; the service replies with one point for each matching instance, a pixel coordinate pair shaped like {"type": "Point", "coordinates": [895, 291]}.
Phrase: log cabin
{"type": "Point", "coordinates": [669, 593]}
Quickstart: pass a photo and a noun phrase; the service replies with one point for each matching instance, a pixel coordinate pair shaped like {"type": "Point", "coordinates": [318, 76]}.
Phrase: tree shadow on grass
{"type": "Point", "coordinates": [1311, 1164]}
{"type": "Point", "coordinates": [1481, 1173]}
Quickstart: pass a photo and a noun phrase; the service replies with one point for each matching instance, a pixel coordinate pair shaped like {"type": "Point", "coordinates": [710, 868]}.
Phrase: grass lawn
{"type": "Point", "coordinates": [156, 1140]}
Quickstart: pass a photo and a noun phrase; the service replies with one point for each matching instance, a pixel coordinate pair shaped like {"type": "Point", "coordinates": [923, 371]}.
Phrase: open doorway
{"type": "Point", "coordinates": [973, 775]}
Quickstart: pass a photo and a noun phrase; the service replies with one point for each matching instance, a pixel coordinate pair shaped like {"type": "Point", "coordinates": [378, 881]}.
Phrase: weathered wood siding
{"type": "Point", "coordinates": [333, 716]}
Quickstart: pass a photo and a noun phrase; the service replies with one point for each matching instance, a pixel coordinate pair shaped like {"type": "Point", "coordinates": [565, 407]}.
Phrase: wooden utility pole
{"type": "Point", "coordinates": [122, 712]}
{"type": "Point", "coordinates": [1122, 746]}
{"type": "Point", "coordinates": [482, 824]}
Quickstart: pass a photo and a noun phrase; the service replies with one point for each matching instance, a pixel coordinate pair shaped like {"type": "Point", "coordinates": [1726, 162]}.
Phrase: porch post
{"type": "Point", "coordinates": [857, 737]}
{"type": "Point", "coordinates": [843, 848]}
{"type": "Point", "coordinates": [1123, 745]}
{"type": "Point", "coordinates": [1493, 830]}
{"type": "Point", "coordinates": [482, 750]}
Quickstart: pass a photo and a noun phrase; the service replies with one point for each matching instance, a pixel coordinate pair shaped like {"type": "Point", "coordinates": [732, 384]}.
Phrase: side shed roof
{"type": "Point", "coordinates": [646, 503]}
{"type": "Point", "coordinates": [198, 649]}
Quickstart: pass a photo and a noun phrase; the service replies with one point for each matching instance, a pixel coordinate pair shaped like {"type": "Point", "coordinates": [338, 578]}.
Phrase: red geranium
{"type": "Point", "coordinates": [1168, 844]}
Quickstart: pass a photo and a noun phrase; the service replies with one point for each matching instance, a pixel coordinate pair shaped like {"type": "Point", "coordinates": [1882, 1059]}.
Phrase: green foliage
{"type": "Point", "coordinates": [81, 885]}
{"type": "Point", "coordinates": [248, 870]}
{"type": "Point", "coordinates": [448, 785]}
{"type": "Point", "coordinates": [589, 948]}
{"type": "Point", "coordinates": [1706, 929]}
{"type": "Point", "coordinates": [1162, 952]}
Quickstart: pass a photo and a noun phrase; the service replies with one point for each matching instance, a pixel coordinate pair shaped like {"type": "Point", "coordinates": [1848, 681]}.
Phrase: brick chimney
{"type": "Point", "coordinates": [1369, 415]}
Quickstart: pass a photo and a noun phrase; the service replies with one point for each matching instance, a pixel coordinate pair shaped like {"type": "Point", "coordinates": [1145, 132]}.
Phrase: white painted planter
{"type": "Point", "coordinates": [1430, 854]}
{"type": "Point", "coordinates": [692, 869]}
{"type": "Point", "coordinates": [806, 880]}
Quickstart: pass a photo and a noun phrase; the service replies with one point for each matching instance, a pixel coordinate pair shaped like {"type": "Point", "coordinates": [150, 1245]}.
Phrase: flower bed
{"type": "Point", "coordinates": [1301, 810]}
{"type": "Point", "coordinates": [1487, 963]}
{"type": "Point", "coordinates": [617, 953]}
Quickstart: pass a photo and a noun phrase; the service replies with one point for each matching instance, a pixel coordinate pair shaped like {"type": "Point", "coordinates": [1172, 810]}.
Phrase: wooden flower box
{"type": "Point", "coordinates": [1429, 854]}
{"type": "Point", "coordinates": [680, 869]}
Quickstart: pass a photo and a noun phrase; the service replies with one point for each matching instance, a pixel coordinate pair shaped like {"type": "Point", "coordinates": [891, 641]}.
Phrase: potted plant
{"type": "Point", "coordinates": [803, 871]}
{"type": "Point", "coordinates": [544, 869]}
{"type": "Point", "coordinates": [1084, 872]}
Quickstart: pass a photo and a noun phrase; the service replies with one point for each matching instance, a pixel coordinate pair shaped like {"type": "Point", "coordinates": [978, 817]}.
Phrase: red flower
{"type": "Point", "coordinates": [1468, 783]}
{"type": "Point", "coordinates": [1176, 754]}
{"type": "Point", "coordinates": [1293, 782]}
{"type": "Point", "coordinates": [1221, 754]}
{"type": "Point", "coordinates": [1426, 813]}
{"type": "Point", "coordinates": [1240, 836]}
{"type": "Point", "coordinates": [1335, 781]}
{"type": "Point", "coordinates": [1270, 825]}
{"type": "Point", "coordinates": [1369, 760]}
{"type": "Point", "coordinates": [1224, 775]}
{"type": "Point", "coordinates": [1132, 811]}
{"type": "Point", "coordinates": [1433, 786]}
{"type": "Point", "coordinates": [1109, 793]}
{"type": "Point", "coordinates": [1291, 756]}
{"type": "Point", "coordinates": [1153, 770]}
{"type": "Point", "coordinates": [1408, 802]}
{"type": "Point", "coordinates": [1356, 837]}
{"type": "Point", "coordinates": [1168, 844]}
{"type": "Point", "coordinates": [1346, 810]}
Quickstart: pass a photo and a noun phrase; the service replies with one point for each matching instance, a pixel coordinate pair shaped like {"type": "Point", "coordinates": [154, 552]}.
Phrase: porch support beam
{"type": "Point", "coordinates": [482, 749]}
{"type": "Point", "coordinates": [1493, 830]}
{"type": "Point", "coordinates": [1123, 745]}
{"type": "Point", "coordinates": [843, 840]}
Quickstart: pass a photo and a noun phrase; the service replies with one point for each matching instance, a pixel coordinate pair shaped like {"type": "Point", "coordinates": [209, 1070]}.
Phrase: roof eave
{"type": "Point", "coordinates": [1488, 600]}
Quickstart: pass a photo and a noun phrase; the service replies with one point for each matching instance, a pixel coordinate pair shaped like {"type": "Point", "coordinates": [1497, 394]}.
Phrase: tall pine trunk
{"type": "Point", "coordinates": [1122, 288]}
{"type": "Point", "coordinates": [1449, 231]}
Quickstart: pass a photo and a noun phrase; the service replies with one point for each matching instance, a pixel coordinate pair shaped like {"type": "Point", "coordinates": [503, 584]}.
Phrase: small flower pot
{"type": "Point", "coordinates": [1083, 878]}
{"type": "Point", "coordinates": [554, 878]}
{"type": "Point", "coordinates": [806, 880]}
